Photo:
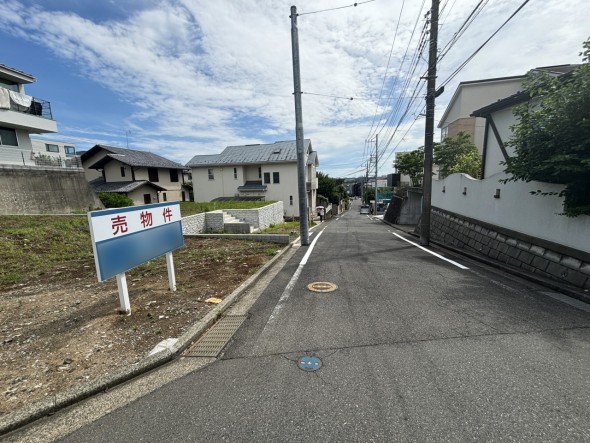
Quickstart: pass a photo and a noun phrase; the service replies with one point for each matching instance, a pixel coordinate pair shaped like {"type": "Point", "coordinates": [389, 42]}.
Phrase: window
{"type": "Point", "coordinates": [164, 198]}
{"type": "Point", "coordinates": [153, 174]}
{"type": "Point", "coordinates": [147, 199]}
{"type": "Point", "coordinates": [70, 150]}
{"type": "Point", "coordinates": [173, 175]}
{"type": "Point", "coordinates": [235, 173]}
{"type": "Point", "coordinates": [11, 86]}
{"type": "Point", "coordinates": [122, 171]}
{"type": "Point", "coordinates": [275, 177]}
{"type": "Point", "coordinates": [210, 174]}
{"type": "Point", "coordinates": [266, 177]}
{"type": "Point", "coordinates": [443, 132]}
{"type": "Point", "coordinates": [8, 137]}
{"type": "Point", "coordinates": [259, 172]}
{"type": "Point", "coordinates": [291, 200]}
{"type": "Point", "coordinates": [51, 148]}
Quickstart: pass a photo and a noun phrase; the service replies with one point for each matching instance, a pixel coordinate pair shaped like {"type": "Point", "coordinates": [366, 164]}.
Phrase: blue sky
{"type": "Point", "coordinates": [189, 77]}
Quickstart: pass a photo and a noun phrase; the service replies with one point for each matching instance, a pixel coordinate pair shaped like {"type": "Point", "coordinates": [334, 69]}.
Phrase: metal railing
{"type": "Point", "coordinates": [19, 157]}
{"type": "Point", "coordinates": [40, 108]}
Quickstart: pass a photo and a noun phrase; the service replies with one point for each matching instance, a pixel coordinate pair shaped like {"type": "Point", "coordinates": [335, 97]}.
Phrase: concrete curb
{"type": "Point", "coordinates": [37, 410]}
{"type": "Point", "coordinates": [571, 291]}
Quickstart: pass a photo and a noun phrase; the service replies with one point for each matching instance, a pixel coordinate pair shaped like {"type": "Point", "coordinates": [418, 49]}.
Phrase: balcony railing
{"type": "Point", "coordinates": [20, 157]}
{"type": "Point", "coordinates": [40, 108]}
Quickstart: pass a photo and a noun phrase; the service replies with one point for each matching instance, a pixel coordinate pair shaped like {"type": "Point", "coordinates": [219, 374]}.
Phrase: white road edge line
{"type": "Point", "coordinates": [459, 265]}
{"type": "Point", "coordinates": [289, 288]}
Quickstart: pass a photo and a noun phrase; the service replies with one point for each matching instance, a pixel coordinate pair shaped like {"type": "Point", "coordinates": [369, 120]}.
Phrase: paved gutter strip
{"type": "Point", "coordinates": [37, 410]}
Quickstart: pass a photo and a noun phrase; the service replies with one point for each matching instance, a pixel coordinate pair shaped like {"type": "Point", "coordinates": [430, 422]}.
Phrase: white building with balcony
{"type": "Point", "coordinates": [20, 116]}
{"type": "Point", "coordinates": [259, 172]}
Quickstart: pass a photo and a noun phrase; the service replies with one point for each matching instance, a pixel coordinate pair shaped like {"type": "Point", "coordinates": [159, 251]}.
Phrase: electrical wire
{"type": "Point", "coordinates": [334, 9]}
{"type": "Point", "coordinates": [484, 43]}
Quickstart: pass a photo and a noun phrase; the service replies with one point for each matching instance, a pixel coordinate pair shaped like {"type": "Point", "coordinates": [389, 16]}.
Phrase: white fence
{"type": "Point", "coordinates": [512, 206]}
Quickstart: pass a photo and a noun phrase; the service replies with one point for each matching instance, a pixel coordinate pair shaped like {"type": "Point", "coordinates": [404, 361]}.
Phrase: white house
{"type": "Point", "coordinates": [470, 107]}
{"type": "Point", "coordinates": [140, 175]}
{"type": "Point", "coordinates": [262, 172]}
{"type": "Point", "coordinates": [20, 116]}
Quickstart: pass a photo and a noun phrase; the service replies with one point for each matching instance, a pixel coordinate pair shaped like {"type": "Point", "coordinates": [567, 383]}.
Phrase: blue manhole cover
{"type": "Point", "coordinates": [310, 363]}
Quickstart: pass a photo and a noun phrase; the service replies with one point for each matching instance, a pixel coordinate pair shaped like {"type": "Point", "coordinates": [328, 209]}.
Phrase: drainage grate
{"type": "Point", "coordinates": [215, 339]}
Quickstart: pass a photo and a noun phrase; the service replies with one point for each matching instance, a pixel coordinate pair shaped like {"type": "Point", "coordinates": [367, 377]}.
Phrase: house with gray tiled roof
{"type": "Point", "coordinates": [143, 176]}
{"type": "Point", "coordinates": [259, 171]}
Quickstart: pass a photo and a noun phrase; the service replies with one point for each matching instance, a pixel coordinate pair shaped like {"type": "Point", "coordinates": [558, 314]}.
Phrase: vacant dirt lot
{"type": "Point", "coordinates": [62, 328]}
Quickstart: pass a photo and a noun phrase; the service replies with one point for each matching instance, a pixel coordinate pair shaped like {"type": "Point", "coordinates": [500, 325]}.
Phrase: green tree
{"type": "Point", "coordinates": [411, 163]}
{"type": "Point", "coordinates": [330, 188]}
{"type": "Point", "coordinates": [457, 154]}
{"type": "Point", "coordinates": [551, 140]}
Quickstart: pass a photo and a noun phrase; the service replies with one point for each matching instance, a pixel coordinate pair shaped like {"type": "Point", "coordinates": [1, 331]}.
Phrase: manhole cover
{"type": "Point", "coordinates": [322, 286]}
{"type": "Point", "coordinates": [309, 363]}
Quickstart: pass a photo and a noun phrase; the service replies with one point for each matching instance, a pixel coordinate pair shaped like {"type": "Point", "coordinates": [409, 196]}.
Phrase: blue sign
{"type": "Point", "coordinates": [124, 238]}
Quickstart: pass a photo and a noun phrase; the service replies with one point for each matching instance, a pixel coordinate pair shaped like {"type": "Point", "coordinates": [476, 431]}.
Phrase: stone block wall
{"type": "Point", "coordinates": [260, 218]}
{"type": "Point", "coordinates": [531, 254]}
{"type": "Point", "coordinates": [214, 221]}
{"type": "Point", "coordinates": [193, 224]}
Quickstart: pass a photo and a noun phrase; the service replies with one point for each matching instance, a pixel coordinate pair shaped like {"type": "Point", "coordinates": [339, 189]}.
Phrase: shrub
{"type": "Point", "coordinates": [114, 200]}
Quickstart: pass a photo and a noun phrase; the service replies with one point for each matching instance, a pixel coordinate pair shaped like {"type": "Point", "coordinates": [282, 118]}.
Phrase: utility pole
{"type": "Point", "coordinates": [303, 217]}
{"type": "Point", "coordinates": [429, 129]}
{"type": "Point", "coordinates": [376, 162]}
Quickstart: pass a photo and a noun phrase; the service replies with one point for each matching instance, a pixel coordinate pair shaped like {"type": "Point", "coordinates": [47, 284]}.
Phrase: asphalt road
{"type": "Point", "coordinates": [412, 348]}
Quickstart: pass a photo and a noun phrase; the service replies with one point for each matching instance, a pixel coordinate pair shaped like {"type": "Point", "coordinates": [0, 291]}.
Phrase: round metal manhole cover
{"type": "Point", "coordinates": [309, 363]}
{"type": "Point", "coordinates": [322, 286]}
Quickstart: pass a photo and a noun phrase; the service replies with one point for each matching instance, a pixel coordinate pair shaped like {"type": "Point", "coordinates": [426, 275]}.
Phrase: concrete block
{"type": "Point", "coordinates": [478, 237]}
{"type": "Point", "coordinates": [503, 247]}
{"type": "Point", "coordinates": [511, 241]}
{"type": "Point", "coordinates": [492, 234]}
{"type": "Point", "coordinates": [513, 252]}
{"type": "Point", "coordinates": [537, 250]}
{"type": "Point", "coordinates": [514, 262]}
{"type": "Point", "coordinates": [525, 257]}
{"type": "Point", "coordinates": [576, 278]}
{"type": "Point", "coordinates": [570, 262]}
{"type": "Point", "coordinates": [502, 257]}
{"type": "Point", "coordinates": [525, 246]}
{"type": "Point", "coordinates": [501, 238]}
{"type": "Point", "coordinates": [485, 250]}
{"type": "Point", "coordinates": [528, 268]}
{"type": "Point", "coordinates": [558, 270]}
{"type": "Point", "coordinates": [552, 256]}
{"type": "Point", "coordinates": [540, 263]}
{"type": "Point", "coordinates": [585, 268]}
{"type": "Point", "coordinates": [493, 253]}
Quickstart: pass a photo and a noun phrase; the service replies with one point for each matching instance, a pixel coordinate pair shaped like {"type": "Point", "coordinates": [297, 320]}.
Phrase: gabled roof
{"type": "Point", "coordinates": [99, 185]}
{"type": "Point", "coordinates": [130, 157]}
{"type": "Point", "coordinates": [278, 152]}
{"type": "Point", "coordinates": [514, 99]}
{"type": "Point", "coordinates": [556, 70]}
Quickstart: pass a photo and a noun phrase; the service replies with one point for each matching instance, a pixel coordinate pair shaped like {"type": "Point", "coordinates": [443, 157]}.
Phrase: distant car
{"type": "Point", "coordinates": [365, 209]}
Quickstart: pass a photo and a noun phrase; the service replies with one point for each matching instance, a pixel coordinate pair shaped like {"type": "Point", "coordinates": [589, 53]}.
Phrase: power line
{"type": "Point", "coordinates": [481, 47]}
{"type": "Point", "coordinates": [334, 9]}
{"type": "Point", "coordinates": [334, 96]}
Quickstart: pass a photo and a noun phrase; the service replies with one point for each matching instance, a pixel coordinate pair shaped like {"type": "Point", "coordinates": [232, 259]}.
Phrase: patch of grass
{"type": "Point", "coordinates": [33, 245]}
{"type": "Point", "coordinates": [291, 228]}
{"type": "Point", "coordinates": [191, 208]}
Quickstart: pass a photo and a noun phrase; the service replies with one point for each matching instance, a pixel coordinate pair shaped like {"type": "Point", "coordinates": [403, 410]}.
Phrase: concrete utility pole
{"type": "Point", "coordinates": [429, 130]}
{"type": "Point", "coordinates": [303, 217]}
{"type": "Point", "coordinates": [376, 162]}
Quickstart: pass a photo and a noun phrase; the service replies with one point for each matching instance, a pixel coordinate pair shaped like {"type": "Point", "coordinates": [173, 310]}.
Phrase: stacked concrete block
{"type": "Point", "coordinates": [510, 247]}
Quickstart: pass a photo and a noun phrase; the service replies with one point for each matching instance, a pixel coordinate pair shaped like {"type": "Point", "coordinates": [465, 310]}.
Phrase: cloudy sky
{"type": "Point", "coordinates": [187, 77]}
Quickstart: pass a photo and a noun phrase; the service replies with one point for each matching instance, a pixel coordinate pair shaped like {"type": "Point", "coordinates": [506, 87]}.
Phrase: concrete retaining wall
{"type": "Point", "coordinates": [260, 218]}
{"type": "Point", "coordinates": [562, 263]}
{"type": "Point", "coordinates": [33, 190]}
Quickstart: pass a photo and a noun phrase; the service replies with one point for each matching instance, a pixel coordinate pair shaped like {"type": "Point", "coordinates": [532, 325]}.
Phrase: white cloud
{"type": "Point", "coordinates": [202, 75]}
